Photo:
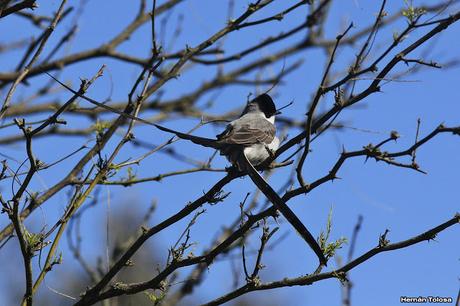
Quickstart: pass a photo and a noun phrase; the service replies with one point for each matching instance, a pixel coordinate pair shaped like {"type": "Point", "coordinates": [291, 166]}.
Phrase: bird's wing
{"type": "Point", "coordinates": [252, 132]}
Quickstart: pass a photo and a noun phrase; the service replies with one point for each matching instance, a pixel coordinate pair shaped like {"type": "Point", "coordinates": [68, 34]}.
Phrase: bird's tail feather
{"type": "Point", "coordinates": [206, 142]}
{"type": "Point", "coordinates": [280, 205]}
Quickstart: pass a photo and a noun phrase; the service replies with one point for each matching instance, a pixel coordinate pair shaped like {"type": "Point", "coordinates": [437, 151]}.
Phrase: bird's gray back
{"type": "Point", "coordinates": [247, 130]}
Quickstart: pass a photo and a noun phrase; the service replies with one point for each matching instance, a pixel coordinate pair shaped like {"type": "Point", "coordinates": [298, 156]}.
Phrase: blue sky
{"type": "Point", "coordinates": [401, 200]}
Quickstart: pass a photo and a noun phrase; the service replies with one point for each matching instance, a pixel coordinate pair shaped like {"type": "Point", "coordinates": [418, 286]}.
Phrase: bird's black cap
{"type": "Point", "coordinates": [266, 104]}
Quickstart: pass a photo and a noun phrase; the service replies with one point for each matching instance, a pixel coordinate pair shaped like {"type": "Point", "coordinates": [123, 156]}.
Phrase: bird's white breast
{"type": "Point", "coordinates": [258, 153]}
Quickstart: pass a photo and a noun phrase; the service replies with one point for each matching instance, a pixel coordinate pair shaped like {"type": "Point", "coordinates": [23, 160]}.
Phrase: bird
{"type": "Point", "coordinates": [252, 139]}
{"type": "Point", "coordinates": [253, 133]}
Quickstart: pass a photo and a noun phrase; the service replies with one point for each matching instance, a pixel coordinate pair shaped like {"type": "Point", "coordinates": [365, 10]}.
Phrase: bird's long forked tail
{"type": "Point", "coordinates": [206, 142]}
{"type": "Point", "coordinates": [280, 205]}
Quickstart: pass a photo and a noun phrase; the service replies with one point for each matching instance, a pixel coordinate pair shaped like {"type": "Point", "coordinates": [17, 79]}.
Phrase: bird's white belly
{"type": "Point", "coordinates": [258, 153]}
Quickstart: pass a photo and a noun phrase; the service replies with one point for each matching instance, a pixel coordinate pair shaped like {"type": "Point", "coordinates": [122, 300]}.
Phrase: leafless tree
{"type": "Point", "coordinates": [113, 149]}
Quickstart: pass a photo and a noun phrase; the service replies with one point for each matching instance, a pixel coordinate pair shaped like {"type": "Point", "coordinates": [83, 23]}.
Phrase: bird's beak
{"type": "Point", "coordinates": [278, 113]}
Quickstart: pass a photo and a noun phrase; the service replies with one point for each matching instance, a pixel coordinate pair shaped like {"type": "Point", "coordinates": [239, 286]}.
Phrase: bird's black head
{"type": "Point", "coordinates": [264, 103]}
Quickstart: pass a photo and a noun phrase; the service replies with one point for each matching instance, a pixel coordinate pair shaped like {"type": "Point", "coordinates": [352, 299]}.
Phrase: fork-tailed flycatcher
{"type": "Point", "coordinates": [254, 135]}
